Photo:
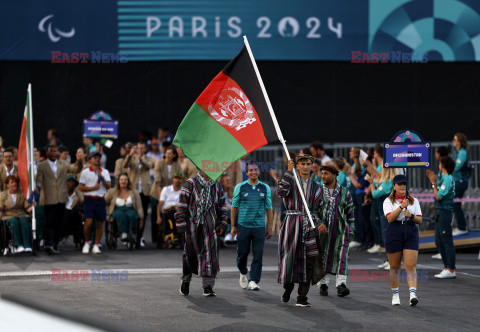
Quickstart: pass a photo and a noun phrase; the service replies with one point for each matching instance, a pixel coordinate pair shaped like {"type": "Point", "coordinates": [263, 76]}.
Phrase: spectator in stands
{"type": "Point", "coordinates": [164, 135]}
{"type": "Point", "coordinates": [304, 151]}
{"type": "Point", "coordinates": [401, 237]}
{"type": "Point", "coordinates": [100, 148]}
{"type": "Point", "coordinates": [125, 206]}
{"type": "Point", "coordinates": [140, 165]}
{"type": "Point", "coordinates": [88, 144]}
{"type": "Point", "coordinates": [94, 183]}
{"type": "Point", "coordinates": [8, 168]}
{"type": "Point", "coordinates": [168, 204]}
{"type": "Point", "coordinates": [188, 168]}
{"type": "Point", "coordinates": [444, 195]}
{"type": "Point", "coordinates": [73, 211]}
{"type": "Point", "coordinates": [317, 151]}
{"type": "Point", "coordinates": [461, 175]}
{"type": "Point", "coordinates": [52, 180]}
{"type": "Point", "coordinates": [163, 176]}
{"type": "Point", "coordinates": [13, 210]}
{"type": "Point", "coordinates": [15, 153]}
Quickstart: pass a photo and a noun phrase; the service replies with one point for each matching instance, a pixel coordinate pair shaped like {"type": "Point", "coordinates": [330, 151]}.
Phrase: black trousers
{"type": "Point", "coordinates": [72, 224]}
{"type": "Point", "coordinates": [145, 202]}
{"type": "Point", "coordinates": [54, 214]}
{"type": "Point", "coordinates": [303, 287]}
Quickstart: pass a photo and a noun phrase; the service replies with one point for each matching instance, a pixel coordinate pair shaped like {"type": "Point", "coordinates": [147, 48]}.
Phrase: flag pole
{"type": "Point", "coordinates": [32, 162]}
{"type": "Point", "coordinates": [277, 128]}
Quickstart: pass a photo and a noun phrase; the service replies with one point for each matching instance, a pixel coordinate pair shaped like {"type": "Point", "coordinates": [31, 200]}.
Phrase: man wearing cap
{"type": "Point", "coordinates": [52, 179]}
{"type": "Point", "coordinates": [94, 183]}
{"type": "Point", "coordinates": [201, 214]}
{"type": "Point", "coordinates": [297, 243]}
{"type": "Point", "coordinates": [73, 219]}
{"type": "Point", "coordinates": [338, 213]}
{"type": "Point", "coordinates": [168, 204]}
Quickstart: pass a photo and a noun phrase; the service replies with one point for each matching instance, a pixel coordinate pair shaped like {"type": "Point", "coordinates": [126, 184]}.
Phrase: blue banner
{"type": "Point", "coordinates": [347, 30]}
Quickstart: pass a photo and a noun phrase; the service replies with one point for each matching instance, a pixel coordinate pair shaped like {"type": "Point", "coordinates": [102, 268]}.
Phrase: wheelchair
{"type": "Point", "coordinates": [112, 234]}
{"type": "Point", "coordinates": [6, 241]}
{"type": "Point", "coordinates": [171, 239]}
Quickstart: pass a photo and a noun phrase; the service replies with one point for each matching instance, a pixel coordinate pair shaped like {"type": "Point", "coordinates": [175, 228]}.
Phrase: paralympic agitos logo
{"type": "Point", "coordinates": [54, 34]}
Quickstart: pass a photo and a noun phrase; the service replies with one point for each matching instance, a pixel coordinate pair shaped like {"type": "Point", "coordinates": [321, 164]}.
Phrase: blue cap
{"type": "Point", "coordinates": [95, 153]}
{"type": "Point", "coordinates": [400, 178]}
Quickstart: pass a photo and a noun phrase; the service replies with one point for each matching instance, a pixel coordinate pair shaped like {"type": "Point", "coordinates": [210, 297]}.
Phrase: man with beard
{"type": "Point", "coordinates": [201, 214]}
{"type": "Point", "coordinates": [338, 213]}
{"type": "Point", "coordinates": [297, 243]}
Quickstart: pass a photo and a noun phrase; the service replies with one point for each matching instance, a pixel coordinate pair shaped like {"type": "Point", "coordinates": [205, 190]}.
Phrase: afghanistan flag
{"type": "Point", "coordinates": [25, 149]}
{"type": "Point", "coordinates": [228, 120]}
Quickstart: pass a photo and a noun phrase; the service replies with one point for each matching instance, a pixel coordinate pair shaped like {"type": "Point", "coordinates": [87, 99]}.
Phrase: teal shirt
{"type": "Point", "coordinates": [252, 201]}
{"type": "Point", "coordinates": [445, 193]}
{"type": "Point", "coordinates": [461, 165]}
{"type": "Point", "coordinates": [342, 179]}
{"type": "Point", "coordinates": [379, 168]}
{"type": "Point", "coordinates": [384, 189]}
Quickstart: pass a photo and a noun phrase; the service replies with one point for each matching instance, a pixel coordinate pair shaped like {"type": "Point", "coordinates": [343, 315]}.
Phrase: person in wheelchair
{"type": "Point", "coordinates": [13, 210]}
{"type": "Point", "coordinates": [72, 223]}
{"type": "Point", "coordinates": [167, 206]}
{"type": "Point", "coordinates": [124, 206]}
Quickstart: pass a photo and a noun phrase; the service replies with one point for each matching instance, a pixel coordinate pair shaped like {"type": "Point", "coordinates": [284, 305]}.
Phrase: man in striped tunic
{"type": "Point", "coordinates": [201, 214]}
{"type": "Point", "coordinates": [338, 213]}
{"type": "Point", "coordinates": [297, 243]}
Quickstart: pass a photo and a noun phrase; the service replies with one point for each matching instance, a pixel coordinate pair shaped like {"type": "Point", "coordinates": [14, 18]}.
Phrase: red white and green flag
{"type": "Point", "coordinates": [25, 149]}
{"type": "Point", "coordinates": [230, 119]}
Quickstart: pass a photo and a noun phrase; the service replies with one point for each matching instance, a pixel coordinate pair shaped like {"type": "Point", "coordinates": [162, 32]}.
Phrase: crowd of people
{"type": "Point", "coordinates": [353, 202]}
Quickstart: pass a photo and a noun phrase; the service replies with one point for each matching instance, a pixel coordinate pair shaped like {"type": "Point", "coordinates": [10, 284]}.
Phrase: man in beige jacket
{"type": "Point", "coordinates": [8, 168]}
{"type": "Point", "coordinates": [52, 180]}
{"type": "Point", "coordinates": [139, 165]}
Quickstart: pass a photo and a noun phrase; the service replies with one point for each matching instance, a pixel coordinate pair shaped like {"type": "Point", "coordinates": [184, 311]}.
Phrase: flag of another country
{"type": "Point", "coordinates": [228, 120]}
{"type": "Point", "coordinates": [25, 146]}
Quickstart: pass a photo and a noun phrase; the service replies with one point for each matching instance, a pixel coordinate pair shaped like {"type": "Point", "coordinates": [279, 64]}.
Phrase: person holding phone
{"type": "Point", "coordinates": [401, 237]}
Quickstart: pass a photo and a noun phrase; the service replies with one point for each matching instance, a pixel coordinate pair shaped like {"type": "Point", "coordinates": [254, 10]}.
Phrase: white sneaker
{"type": "Point", "coordinates": [354, 244]}
{"type": "Point", "coordinates": [28, 249]}
{"type": "Point", "coordinates": [252, 285]}
{"type": "Point", "coordinates": [458, 232]}
{"type": "Point", "coordinates": [383, 265]}
{"type": "Point", "coordinates": [42, 243]}
{"type": "Point", "coordinates": [437, 256]}
{"type": "Point", "coordinates": [445, 274]}
{"type": "Point", "coordinates": [142, 242]}
{"type": "Point", "coordinates": [374, 249]}
{"type": "Point", "coordinates": [413, 299]}
{"type": "Point", "coordinates": [387, 266]}
{"type": "Point", "coordinates": [86, 248]}
{"type": "Point", "coordinates": [20, 249]}
{"type": "Point", "coordinates": [396, 299]}
{"type": "Point", "coordinates": [243, 280]}
{"type": "Point", "coordinates": [96, 250]}
{"type": "Point", "coordinates": [124, 236]}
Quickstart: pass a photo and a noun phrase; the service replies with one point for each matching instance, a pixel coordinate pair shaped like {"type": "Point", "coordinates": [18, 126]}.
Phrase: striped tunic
{"type": "Point", "coordinates": [201, 245]}
{"type": "Point", "coordinates": [292, 248]}
{"type": "Point", "coordinates": [335, 242]}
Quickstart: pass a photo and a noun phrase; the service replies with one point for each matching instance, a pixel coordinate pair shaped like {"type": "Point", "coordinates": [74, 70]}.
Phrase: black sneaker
{"type": "Point", "coordinates": [286, 295]}
{"type": "Point", "coordinates": [324, 290]}
{"type": "Point", "coordinates": [185, 288]}
{"type": "Point", "coordinates": [49, 250]}
{"type": "Point", "coordinates": [302, 303]}
{"type": "Point", "coordinates": [208, 291]}
{"type": "Point", "coordinates": [342, 290]}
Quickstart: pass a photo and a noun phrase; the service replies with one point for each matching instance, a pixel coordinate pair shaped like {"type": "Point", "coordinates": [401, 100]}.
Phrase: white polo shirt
{"type": "Point", "coordinates": [89, 178]}
{"type": "Point", "coordinates": [170, 196]}
{"type": "Point", "coordinates": [414, 209]}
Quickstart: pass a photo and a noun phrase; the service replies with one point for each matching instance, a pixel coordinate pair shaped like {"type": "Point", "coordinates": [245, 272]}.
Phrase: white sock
{"type": "Point", "coordinates": [413, 291]}
{"type": "Point", "coordinates": [395, 291]}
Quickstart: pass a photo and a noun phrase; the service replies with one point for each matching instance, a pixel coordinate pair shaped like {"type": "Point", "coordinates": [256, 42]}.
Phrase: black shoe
{"type": "Point", "coordinates": [208, 291]}
{"type": "Point", "coordinates": [302, 303]}
{"type": "Point", "coordinates": [286, 295]}
{"type": "Point", "coordinates": [342, 290]}
{"type": "Point", "coordinates": [49, 250]}
{"type": "Point", "coordinates": [185, 288]}
{"type": "Point", "coordinates": [324, 290]}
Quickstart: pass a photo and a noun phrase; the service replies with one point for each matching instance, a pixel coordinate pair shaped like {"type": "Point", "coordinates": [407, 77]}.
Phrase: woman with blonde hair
{"type": "Point", "coordinates": [401, 237]}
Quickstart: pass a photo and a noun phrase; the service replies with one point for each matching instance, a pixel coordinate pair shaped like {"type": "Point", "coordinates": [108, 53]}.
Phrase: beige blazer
{"type": "Point", "coordinates": [189, 169]}
{"type": "Point", "coordinates": [111, 198]}
{"type": "Point", "coordinates": [161, 178]}
{"type": "Point", "coordinates": [3, 176]}
{"type": "Point", "coordinates": [76, 169]}
{"type": "Point", "coordinates": [134, 173]}
{"type": "Point", "coordinates": [9, 210]}
{"type": "Point", "coordinates": [55, 188]}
